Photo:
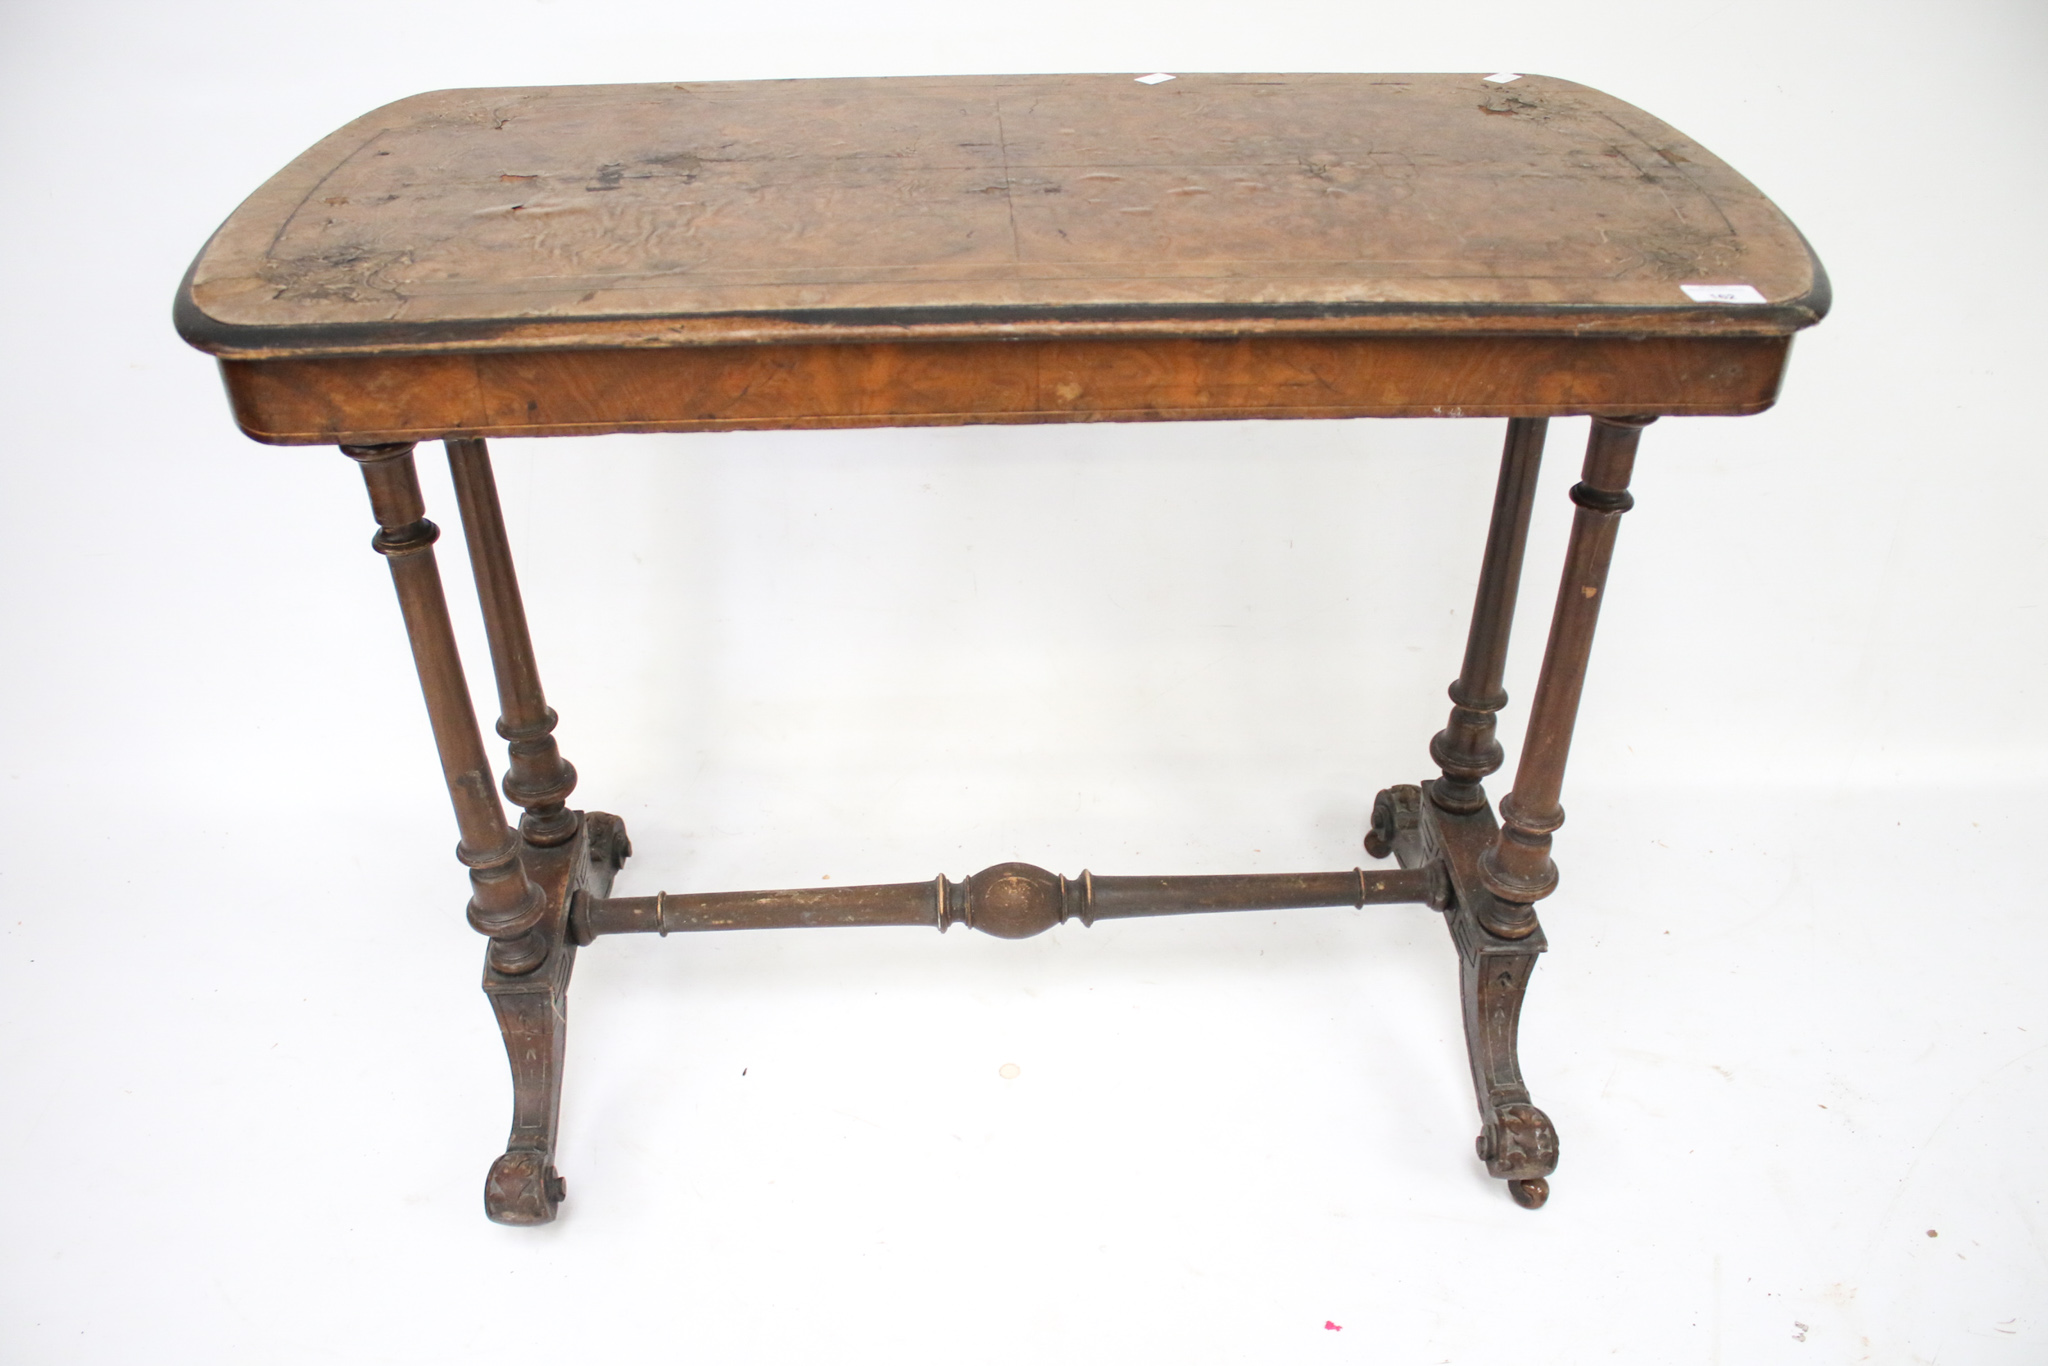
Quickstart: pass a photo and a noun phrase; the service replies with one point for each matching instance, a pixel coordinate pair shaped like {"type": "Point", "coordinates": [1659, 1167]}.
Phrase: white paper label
{"type": "Point", "coordinates": [1723, 294]}
{"type": "Point", "coordinates": [1503, 77]}
{"type": "Point", "coordinates": [1154, 79]}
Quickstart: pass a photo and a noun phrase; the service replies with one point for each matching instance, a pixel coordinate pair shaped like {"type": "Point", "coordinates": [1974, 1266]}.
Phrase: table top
{"type": "Point", "coordinates": [994, 207]}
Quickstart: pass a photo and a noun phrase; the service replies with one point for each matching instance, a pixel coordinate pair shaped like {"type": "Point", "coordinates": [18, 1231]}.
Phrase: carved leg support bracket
{"type": "Point", "coordinates": [523, 1186]}
{"type": "Point", "coordinates": [1516, 1140]}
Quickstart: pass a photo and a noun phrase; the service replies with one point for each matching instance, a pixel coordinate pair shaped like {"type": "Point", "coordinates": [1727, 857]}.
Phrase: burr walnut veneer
{"type": "Point", "coordinates": [849, 253]}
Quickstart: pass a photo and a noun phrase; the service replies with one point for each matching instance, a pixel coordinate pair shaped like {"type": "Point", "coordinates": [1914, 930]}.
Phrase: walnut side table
{"type": "Point", "coordinates": [903, 252]}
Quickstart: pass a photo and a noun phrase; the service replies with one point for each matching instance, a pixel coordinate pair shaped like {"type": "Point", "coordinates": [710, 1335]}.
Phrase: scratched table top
{"type": "Point", "coordinates": [995, 206]}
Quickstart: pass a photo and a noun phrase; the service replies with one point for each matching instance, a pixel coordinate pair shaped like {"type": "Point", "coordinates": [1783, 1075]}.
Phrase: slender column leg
{"type": "Point", "coordinates": [540, 779]}
{"type": "Point", "coordinates": [1517, 869]}
{"type": "Point", "coordinates": [504, 903]}
{"type": "Point", "coordinates": [1465, 749]}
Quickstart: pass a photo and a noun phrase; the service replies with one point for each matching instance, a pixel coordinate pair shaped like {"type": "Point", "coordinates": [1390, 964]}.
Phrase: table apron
{"type": "Point", "coordinates": [427, 396]}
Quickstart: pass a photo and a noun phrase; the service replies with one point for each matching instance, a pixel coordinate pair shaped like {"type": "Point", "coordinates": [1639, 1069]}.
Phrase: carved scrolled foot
{"type": "Point", "coordinates": [1379, 835]}
{"type": "Point", "coordinates": [1396, 823]}
{"type": "Point", "coordinates": [523, 1188]}
{"type": "Point", "coordinates": [1518, 1144]}
{"type": "Point", "coordinates": [609, 846]}
{"type": "Point", "coordinates": [1520, 1147]}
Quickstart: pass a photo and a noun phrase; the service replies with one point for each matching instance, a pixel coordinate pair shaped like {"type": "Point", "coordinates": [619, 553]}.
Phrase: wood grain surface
{"type": "Point", "coordinates": [966, 208]}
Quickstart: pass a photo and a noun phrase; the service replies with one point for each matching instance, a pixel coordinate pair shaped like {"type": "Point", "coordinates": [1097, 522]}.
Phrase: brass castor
{"type": "Point", "coordinates": [1530, 1194]}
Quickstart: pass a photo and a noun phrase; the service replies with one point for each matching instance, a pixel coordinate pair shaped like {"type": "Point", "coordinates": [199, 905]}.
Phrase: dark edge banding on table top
{"type": "Point", "coordinates": [995, 323]}
{"type": "Point", "coordinates": [1821, 297]}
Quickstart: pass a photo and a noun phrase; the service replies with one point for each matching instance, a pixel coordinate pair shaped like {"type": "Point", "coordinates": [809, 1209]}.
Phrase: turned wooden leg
{"type": "Point", "coordinates": [504, 903]}
{"type": "Point", "coordinates": [539, 778]}
{"type": "Point", "coordinates": [1518, 870]}
{"type": "Point", "coordinates": [1465, 749]}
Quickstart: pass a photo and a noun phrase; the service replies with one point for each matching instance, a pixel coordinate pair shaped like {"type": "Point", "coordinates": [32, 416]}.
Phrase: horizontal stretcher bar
{"type": "Point", "coordinates": [1010, 900]}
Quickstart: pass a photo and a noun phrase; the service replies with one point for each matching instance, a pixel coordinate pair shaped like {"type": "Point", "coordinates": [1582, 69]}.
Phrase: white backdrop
{"type": "Point", "coordinates": [1788, 1029]}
